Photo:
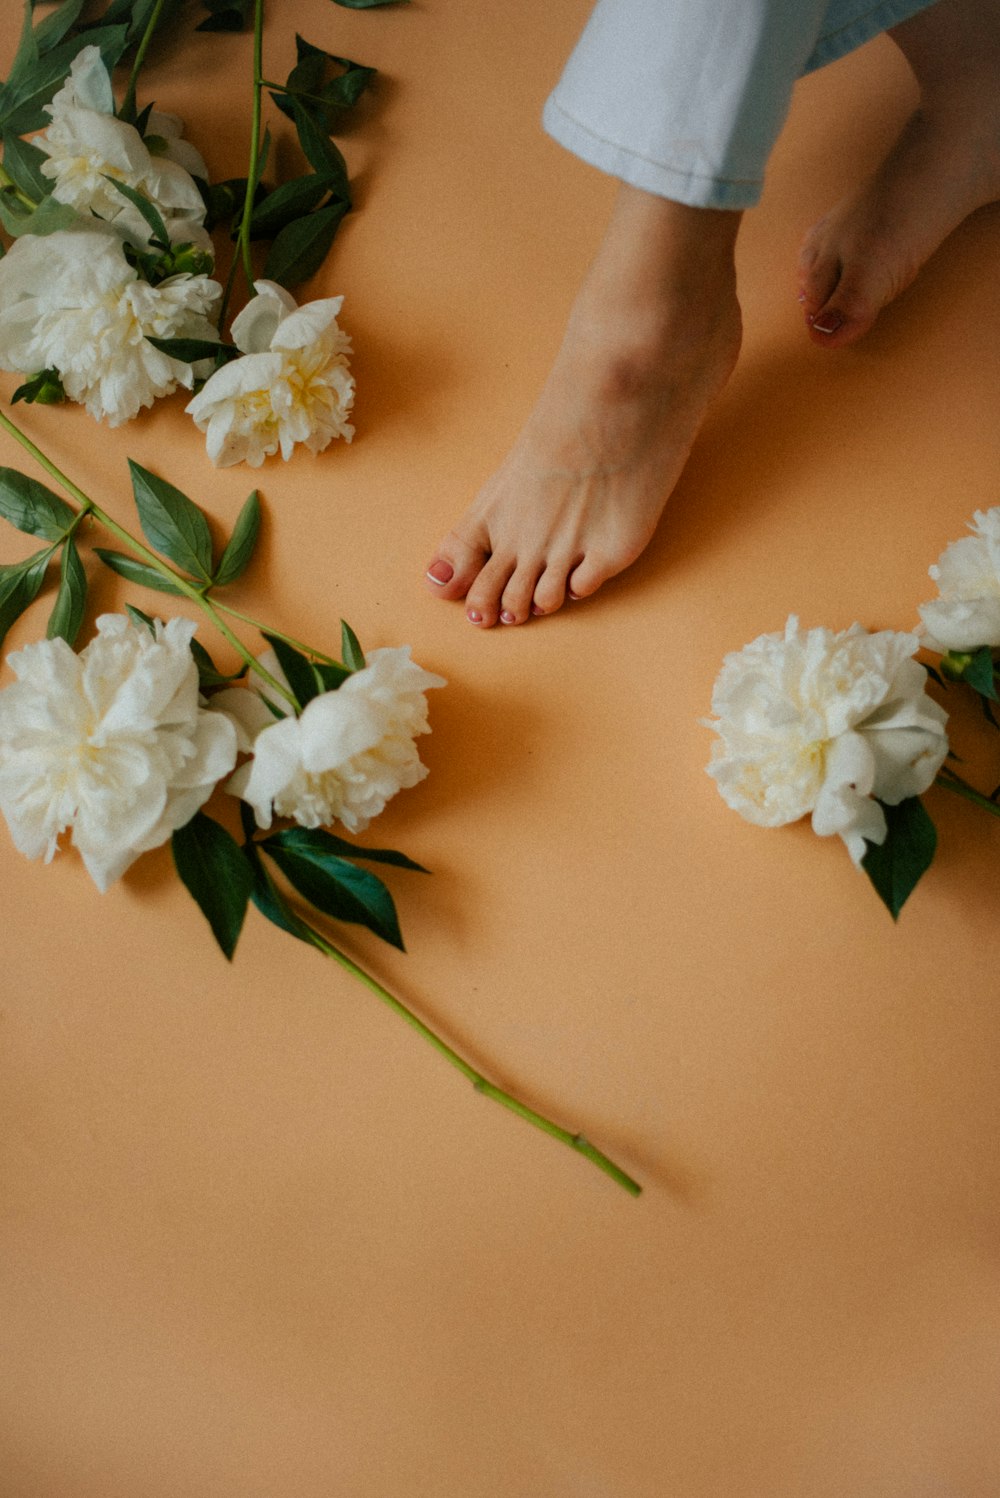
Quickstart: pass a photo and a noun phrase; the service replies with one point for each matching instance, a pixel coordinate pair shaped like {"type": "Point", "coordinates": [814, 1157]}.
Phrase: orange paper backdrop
{"type": "Point", "coordinates": [256, 1240]}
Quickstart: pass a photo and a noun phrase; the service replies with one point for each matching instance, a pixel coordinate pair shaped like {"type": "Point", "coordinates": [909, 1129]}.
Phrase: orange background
{"type": "Point", "coordinates": [257, 1240]}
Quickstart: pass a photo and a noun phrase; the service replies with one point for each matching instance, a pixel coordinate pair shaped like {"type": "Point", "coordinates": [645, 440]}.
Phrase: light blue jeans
{"type": "Point", "coordinates": [685, 98]}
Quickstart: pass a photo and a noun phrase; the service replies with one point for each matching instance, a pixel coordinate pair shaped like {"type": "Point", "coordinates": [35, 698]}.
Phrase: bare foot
{"type": "Point", "coordinates": [652, 338]}
{"type": "Point", "coordinates": [944, 166]}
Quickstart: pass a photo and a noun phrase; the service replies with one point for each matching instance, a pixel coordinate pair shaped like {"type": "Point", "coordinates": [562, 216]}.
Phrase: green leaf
{"type": "Point", "coordinates": [193, 350]}
{"type": "Point", "coordinates": [32, 508]}
{"type": "Point", "coordinates": [344, 849]}
{"type": "Point", "coordinates": [71, 599]}
{"type": "Point", "coordinates": [137, 572]}
{"type": "Point", "coordinates": [20, 585]}
{"type": "Point", "coordinates": [23, 105]}
{"type": "Point", "coordinates": [223, 200]}
{"type": "Point", "coordinates": [172, 523]}
{"type": "Point", "coordinates": [367, 4]}
{"type": "Point", "coordinates": [289, 201]}
{"type": "Point", "coordinates": [138, 617]}
{"type": "Point", "coordinates": [301, 247]}
{"type": "Point", "coordinates": [350, 649]}
{"type": "Point", "coordinates": [26, 55]}
{"type": "Point", "coordinates": [45, 387]}
{"type": "Point", "coordinates": [55, 27]}
{"type": "Point", "coordinates": [326, 98]}
{"type": "Point", "coordinates": [209, 674]}
{"type": "Point", "coordinates": [896, 867]}
{"type": "Point", "coordinates": [265, 894]}
{"type": "Point", "coordinates": [301, 673]}
{"type": "Point", "coordinates": [23, 163]}
{"type": "Point", "coordinates": [331, 674]}
{"type": "Point", "coordinates": [240, 546]}
{"type": "Point", "coordinates": [226, 15]}
{"type": "Point", "coordinates": [49, 217]}
{"type": "Point", "coordinates": [320, 152]}
{"type": "Point", "coordinates": [217, 874]}
{"type": "Point", "coordinates": [979, 673]}
{"type": "Point", "coordinates": [159, 235]}
{"type": "Point", "coordinates": [331, 884]}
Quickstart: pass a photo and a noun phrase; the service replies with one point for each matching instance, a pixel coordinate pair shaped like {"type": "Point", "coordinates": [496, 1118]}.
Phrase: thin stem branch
{"type": "Point", "coordinates": [241, 253]}
{"type": "Point", "coordinates": [12, 190]}
{"type": "Point", "coordinates": [310, 650]}
{"type": "Point", "coordinates": [488, 1089]}
{"type": "Point", "coordinates": [128, 103]}
{"type": "Point", "coordinates": [949, 780]}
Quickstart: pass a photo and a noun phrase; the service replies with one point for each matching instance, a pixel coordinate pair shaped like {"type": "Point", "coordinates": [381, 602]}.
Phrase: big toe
{"type": "Point", "coordinates": [846, 314]}
{"type": "Point", "coordinates": [456, 565]}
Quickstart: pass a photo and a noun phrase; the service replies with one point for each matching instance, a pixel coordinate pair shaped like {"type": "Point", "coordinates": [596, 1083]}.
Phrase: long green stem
{"type": "Point", "coordinates": [12, 190]}
{"type": "Point", "coordinates": [950, 781]}
{"type": "Point", "coordinates": [128, 103]}
{"type": "Point", "coordinates": [242, 251]}
{"type": "Point", "coordinates": [488, 1089]}
{"type": "Point", "coordinates": [310, 650]}
{"type": "Point", "coordinates": [177, 580]}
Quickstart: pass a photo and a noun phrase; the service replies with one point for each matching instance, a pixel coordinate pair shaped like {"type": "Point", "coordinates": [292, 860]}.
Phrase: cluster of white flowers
{"type": "Point", "coordinates": [72, 302]}
{"type": "Point", "coordinates": [829, 724]}
{"type": "Point", "coordinates": [86, 145]}
{"type": "Point", "coordinates": [345, 755]}
{"type": "Point", "coordinates": [115, 746]}
{"type": "Point", "coordinates": [966, 616]}
{"type": "Point", "coordinates": [111, 745]}
{"type": "Point", "coordinates": [292, 385]}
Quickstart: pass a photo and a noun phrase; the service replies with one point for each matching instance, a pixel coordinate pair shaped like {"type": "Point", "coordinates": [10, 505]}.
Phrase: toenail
{"type": "Point", "coordinates": [833, 322]}
{"type": "Point", "coordinates": [474, 616]}
{"type": "Point", "coordinates": [538, 613]}
{"type": "Point", "coordinates": [441, 573]}
{"type": "Point", "coordinates": [575, 596]}
{"type": "Point", "coordinates": [507, 617]}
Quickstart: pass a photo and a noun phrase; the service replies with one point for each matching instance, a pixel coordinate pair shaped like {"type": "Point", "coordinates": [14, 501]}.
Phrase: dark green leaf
{"type": "Point", "coordinates": [193, 350]}
{"type": "Point", "coordinates": [344, 849]}
{"type": "Point", "coordinates": [208, 673]}
{"type": "Point", "coordinates": [138, 617]}
{"type": "Point", "coordinates": [327, 98]}
{"type": "Point", "coordinates": [223, 200]}
{"type": "Point", "coordinates": [137, 572]}
{"type": "Point", "coordinates": [226, 15]}
{"type": "Point", "coordinates": [979, 673]}
{"type": "Point", "coordinates": [47, 218]}
{"type": "Point", "coordinates": [331, 674]}
{"type": "Point", "coordinates": [300, 249]}
{"type": "Point", "coordinates": [936, 676]}
{"type": "Point", "coordinates": [26, 55]}
{"type": "Point", "coordinates": [50, 32]}
{"type": "Point", "coordinates": [300, 672]}
{"type": "Point", "coordinates": [32, 508]}
{"type": "Point", "coordinates": [265, 895]}
{"type": "Point", "coordinates": [23, 104]}
{"type": "Point", "coordinates": [896, 866]}
{"type": "Point", "coordinates": [350, 648]}
{"type": "Point", "coordinates": [320, 152]}
{"type": "Point", "coordinates": [23, 162]}
{"type": "Point", "coordinates": [158, 229]}
{"type": "Point", "coordinates": [367, 4]}
{"type": "Point", "coordinates": [19, 586]}
{"type": "Point", "coordinates": [286, 203]}
{"type": "Point", "coordinates": [71, 599]}
{"type": "Point", "coordinates": [217, 874]}
{"type": "Point", "coordinates": [45, 387]}
{"type": "Point", "coordinates": [172, 523]}
{"type": "Point", "coordinates": [240, 546]}
{"type": "Point", "coordinates": [331, 884]}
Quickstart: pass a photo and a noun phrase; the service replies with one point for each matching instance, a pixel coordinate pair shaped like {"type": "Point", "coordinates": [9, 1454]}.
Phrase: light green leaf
{"type": "Point", "coordinates": [71, 599]}
{"type": "Point", "coordinates": [896, 867]}
{"type": "Point", "coordinates": [49, 217]}
{"type": "Point", "coordinates": [240, 546]}
{"type": "Point", "coordinates": [23, 163]}
{"type": "Point", "coordinates": [172, 523]}
{"type": "Point", "coordinates": [350, 647]}
{"type": "Point", "coordinates": [57, 24]}
{"type": "Point", "coordinates": [137, 572]}
{"type": "Point", "coordinates": [23, 105]}
{"type": "Point", "coordinates": [217, 874]}
{"type": "Point", "coordinates": [20, 585]}
{"type": "Point", "coordinates": [32, 508]}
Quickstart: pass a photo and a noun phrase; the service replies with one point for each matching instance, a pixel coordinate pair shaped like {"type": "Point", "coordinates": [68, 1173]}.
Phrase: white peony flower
{"type": "Point", "coordinates": [85, 145]}
{"type": "Point", "coordinates": [348, 752]}
{"type": "Point", "coordinates": [70, 301]}
{"type": "Point", "coordinates": [110, 745]}
{"type": "Point", "coordinates": [292, 384]}
{"type": "Point", "coordinates": [967, 614]}
{"type": "Point", "coordinates": [812, 721]}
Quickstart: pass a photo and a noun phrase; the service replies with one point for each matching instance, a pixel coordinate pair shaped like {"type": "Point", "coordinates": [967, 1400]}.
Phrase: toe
{"type": "Point", "coordinates": [594, 570]}
{"type": "Point", "coordinates": [515, 605]}
{"type": "Point", "coordinates": [456, 565]}
{"type": "Point", "coordinates": [819, 272]}
{"type": "Point", "coordinates": [482, 603]}
{"type": "Point", "coordinates": [550, 590]}
{"type": "Point", "coordinates": [846, 315]}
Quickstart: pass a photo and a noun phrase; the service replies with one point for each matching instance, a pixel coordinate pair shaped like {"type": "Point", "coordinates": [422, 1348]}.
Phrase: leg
{"type": "Point", "coordinates": [652, 338]}
{"type": "Point", "coordinates": [944, 166]}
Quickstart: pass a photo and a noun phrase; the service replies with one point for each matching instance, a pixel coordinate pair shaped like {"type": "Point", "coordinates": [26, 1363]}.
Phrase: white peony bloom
{"type": "Point", "coordinates": [812, 721]}
{"type": "Point", "coordinates": [110, 745]}
{"type": "Point", "coordinates": [348, 752]}
{"type": "Point", "coordinates": [85, 145]}
{"type": "Point", "coordinates": [291, 385]}
{"type": "Point", "coordinates": [70, 301]}
{"type": "Point", "coordinates": [967, 614]}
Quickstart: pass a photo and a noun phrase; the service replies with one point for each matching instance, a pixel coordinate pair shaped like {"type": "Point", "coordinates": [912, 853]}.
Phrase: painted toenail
{"type": "Point", "coordinates": [506, 617]}
{"type": "Point", "coordinates": [474, 616]}
{"type": "Point", "coordinates": [833, 322]}
{"type": "Point", "coordinates": [441, 573]}
{"type": "Point", "coordinates": [538, 613]}
{"type": "Point", "coordinates": [575, 596]}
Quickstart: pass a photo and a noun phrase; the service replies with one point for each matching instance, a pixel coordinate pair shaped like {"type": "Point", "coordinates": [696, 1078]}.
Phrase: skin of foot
{"type": "Point", "coordinates": [945, 165]}
{"type": "Point", "coordinates": [652, 338]}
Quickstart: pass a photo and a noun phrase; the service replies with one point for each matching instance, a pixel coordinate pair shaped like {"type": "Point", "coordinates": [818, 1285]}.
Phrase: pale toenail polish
{"type": "Point", "coordinates": [538, 613]}
{"type": "Point", "coordinates": [507, 617]}
{"type": "Point", "coordinates": [441, 573]}
{"type": "Point", "coordinates": [832, 323]}
{"type": "Point", "coordinates": [474, 616]}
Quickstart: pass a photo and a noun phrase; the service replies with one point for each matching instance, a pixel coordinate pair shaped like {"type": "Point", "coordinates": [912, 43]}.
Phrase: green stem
{"type": "Point", "coordinates": [12, 190]}
{"type": "Point", "coordinates": [950, 781]}
{"type": "Point", "coordinates": [190, 590]}
{"type": "Point", "coordinates": [488, 1089]}
{"type": "Point", "coordinates": [128, 103]}
{"type": "Point", "coordinates": [309, 650]}
{"type": "Point", "coordinates": [242, 251]}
